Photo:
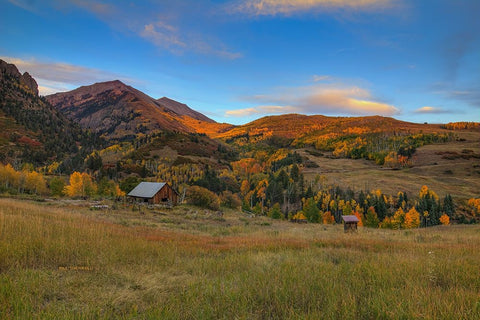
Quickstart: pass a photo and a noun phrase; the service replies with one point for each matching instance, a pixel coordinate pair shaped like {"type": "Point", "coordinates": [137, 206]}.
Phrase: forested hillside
{"type": "Point", "coordinates": [35, 132]}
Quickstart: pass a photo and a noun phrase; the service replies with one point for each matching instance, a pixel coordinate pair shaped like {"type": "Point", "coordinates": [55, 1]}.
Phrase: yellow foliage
{"type": "Point", "coordinates": [474, 206]}
{"type": "Point", "coordinates": [398, 219]}
{"type": "Point", "coordinates": [81, 184]}
{"type": "Point", "coordinates": [299, 216]}
{"type": "Point", "coordinates": [424, 191]}
{"type": "Point", "coordinates": [35, 182]}
{"type": "Point", "coordinates": [52, 168]}
{"type": "Point", "coordinates": [9, 177]}
{"type": "Point", "coordinates": [244, 188]}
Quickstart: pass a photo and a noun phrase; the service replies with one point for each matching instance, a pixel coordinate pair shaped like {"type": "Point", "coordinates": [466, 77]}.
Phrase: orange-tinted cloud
{"type": "Point", "coordinates": [333, 99]}
{"type": "Point", "coordinates": [432, 110]}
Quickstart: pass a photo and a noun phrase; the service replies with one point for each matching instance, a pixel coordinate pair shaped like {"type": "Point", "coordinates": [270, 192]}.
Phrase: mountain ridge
{"type": "Point", "coordinates": [116, 110]}
{"type": "Point", "coordinates": [183, 110]}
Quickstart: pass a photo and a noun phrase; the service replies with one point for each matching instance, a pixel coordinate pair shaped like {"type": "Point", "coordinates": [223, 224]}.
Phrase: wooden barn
{"type": "Point", "coordinates": [350, 223]}
{"type": "Point", "coordinates": [154, 193]}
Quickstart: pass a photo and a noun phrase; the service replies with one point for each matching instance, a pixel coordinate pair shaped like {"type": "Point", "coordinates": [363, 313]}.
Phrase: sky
{"type": "Point", "coordinates": [239, 60]}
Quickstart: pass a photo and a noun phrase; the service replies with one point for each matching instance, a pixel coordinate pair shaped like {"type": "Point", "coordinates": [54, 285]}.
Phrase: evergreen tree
{"type": "Point", "coordinates": [295, 173]}
{"type": "Point", "coordinates": [448, 206]}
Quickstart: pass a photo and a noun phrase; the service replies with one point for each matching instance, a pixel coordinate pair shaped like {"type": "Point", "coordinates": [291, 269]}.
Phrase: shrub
{"type": "Point", "coordinates": [275, 212]}
{"type": "Point", "coordinates": [230, 200]}
{"type": "Point", "coordinates": [202, 197]}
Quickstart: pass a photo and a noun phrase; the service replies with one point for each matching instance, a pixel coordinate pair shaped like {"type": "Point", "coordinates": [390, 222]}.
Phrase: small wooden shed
{"type": "Point", "coordinates": [154, 193]}
{"type": "Point", "coordinates": [350, 223]}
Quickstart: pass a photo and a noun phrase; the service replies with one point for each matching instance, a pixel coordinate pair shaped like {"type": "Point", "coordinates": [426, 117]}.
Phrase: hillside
{"type": "Point", "coordinates": [303, 128]}
{"type": "Point", "coordinates": [32, 130]}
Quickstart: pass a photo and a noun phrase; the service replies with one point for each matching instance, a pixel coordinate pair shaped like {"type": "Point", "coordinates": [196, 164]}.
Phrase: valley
{"type": "Point", "coordinates": [274, 165]}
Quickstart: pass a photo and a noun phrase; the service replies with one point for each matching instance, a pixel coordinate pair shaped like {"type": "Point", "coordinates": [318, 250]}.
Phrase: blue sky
{"type": "Point", "coordinates": [239, 60]}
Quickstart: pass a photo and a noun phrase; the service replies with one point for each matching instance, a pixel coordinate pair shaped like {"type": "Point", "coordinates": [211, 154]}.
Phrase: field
{"type": "Point", "coordinates": [62, 260]}
{"type": "Point", "coordinates": [447, 168]}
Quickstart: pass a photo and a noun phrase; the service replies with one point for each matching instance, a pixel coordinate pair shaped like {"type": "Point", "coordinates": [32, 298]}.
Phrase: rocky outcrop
{"type": "Point", "coordinates": [27, 80]}
{"type": "Point", "coordinates": [10, 70]}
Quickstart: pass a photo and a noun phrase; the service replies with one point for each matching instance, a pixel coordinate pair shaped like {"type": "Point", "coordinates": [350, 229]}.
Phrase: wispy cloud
{"type": "Point", "coordinates": [431, 110]}
{"type": "Point", "coordinates": [465, 93]}
{"type": "Point", "coordinates": [163, 35]}
{"type": "Point", "coordinates": [26, 5]}
{"type": "Point", "coordinates": [289, 7]}
{"type": "Point", "coordinates": [166, 36]}
{"type": "Point", "coordinates": [57, 76]}
{"type": "Point", "coordinates": [321, 98]}
{"type": "Point", "coordinates": [319, 78]}
{"type": "Point", "coordinates": [166, 32]}
{"type": "Point", "coordinates": [261, 110]}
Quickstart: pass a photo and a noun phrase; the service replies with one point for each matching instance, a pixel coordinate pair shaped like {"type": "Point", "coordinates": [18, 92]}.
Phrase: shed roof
{"type": "Point", "coordinates": [146, 189]}
{"type": "Point", "coordinates": [350, 219]}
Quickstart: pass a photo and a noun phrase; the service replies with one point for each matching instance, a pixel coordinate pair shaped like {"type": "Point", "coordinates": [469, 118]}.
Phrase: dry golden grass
{"type": "Point", "coordinates": [72, 262]}
{"type": "Point", "coordinates": [458, 177]}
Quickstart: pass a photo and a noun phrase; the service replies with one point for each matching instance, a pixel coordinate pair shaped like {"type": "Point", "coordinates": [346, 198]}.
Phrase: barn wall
{"type": "Point", "coordinates": [165, 193]}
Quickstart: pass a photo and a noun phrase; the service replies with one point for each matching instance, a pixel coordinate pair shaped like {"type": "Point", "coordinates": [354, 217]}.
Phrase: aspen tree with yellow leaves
{"type": "Point", "coordinates": [81, 185]}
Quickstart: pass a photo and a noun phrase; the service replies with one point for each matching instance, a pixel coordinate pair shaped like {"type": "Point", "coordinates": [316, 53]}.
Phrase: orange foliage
{"type": "Point", "coordinates": [396, 161]}
{"type": "Point", "coordinates": [211, 129]}
{"type": "Point", "coordinates": [247, 166]}
{"type": "Point", "coordinates": [444, 220]}
{"type": "Point", "coordinates": [414, 216]}
{"type": "Point", "coordinates": [328, 218]}
{"type": "Point", "coordinates": [360, 218]}
{"type": "Point", "coordinates": [462, 125]}
{"type": "Point", "coordinates": [299, 216]}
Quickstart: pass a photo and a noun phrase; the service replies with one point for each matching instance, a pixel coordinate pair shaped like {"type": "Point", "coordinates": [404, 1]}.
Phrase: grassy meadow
{"type": "Point", "coordinates": [65, 261]}
{"type": "Point", "coordinates": [440, 166]}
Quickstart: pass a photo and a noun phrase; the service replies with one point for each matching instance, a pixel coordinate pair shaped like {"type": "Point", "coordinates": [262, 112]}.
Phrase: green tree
{"type": "Point", "coordinates": [127, 184]}
{"type": "Point", "coordinates": [57, 186]}
{"type": "Point", "coordinates": [311, 210]}
{"type": "Point", "coordinates": [448, 205]}
{"type": "Point", "coordinates": [371, 218]}
{"type": "Point", "coordinates": [275, 212]}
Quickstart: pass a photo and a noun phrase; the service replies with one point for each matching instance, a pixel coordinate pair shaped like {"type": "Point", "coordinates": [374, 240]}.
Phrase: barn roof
{"type": "Point", "coordinates": [146, 189]}
{"type": "Point", "coordinates": [351, 218]}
